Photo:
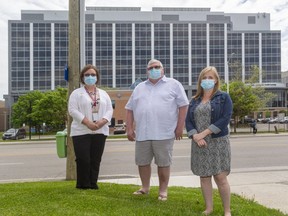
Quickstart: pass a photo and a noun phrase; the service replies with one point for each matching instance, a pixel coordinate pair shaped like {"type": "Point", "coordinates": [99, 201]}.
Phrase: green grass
{"type": "Point", "coordinates": [61, 198]}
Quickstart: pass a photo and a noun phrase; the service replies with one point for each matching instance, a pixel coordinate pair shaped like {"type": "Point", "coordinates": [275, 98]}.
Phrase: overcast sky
{"type": "Point", "coordinates": [11, 10]}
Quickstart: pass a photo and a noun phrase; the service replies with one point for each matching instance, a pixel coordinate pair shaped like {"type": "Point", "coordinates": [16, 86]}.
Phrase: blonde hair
{"type": "Point", "coordinates": [200, 90]}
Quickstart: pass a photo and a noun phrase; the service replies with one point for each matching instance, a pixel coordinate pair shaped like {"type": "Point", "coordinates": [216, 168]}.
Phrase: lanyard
{"type": "Point", "coordinates": [95, 97]}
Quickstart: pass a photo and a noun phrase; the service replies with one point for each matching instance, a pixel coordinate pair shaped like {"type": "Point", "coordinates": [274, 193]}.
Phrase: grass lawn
{"type": "Point", "coordinates": [62, 198]}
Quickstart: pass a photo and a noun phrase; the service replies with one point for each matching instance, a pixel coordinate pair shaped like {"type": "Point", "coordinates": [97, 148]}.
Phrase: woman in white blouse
{"type": "Point", "coordinates": [91, 110]}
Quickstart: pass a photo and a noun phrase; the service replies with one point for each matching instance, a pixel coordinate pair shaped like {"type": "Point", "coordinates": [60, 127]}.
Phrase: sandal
{"type": "Point", "coordinates": [140, 192]}
{"type": "Point", "coordinates": [206, 213]}
{"type": "Point", "coordinates": [162, 197]}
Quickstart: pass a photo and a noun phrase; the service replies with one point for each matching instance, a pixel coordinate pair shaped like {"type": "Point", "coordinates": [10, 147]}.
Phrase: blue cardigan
{"type": "Point", "coordinates": [221, 111]}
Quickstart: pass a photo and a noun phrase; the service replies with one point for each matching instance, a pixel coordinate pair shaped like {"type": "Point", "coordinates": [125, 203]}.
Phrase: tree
{"type": "Point", "coordinates": [22, 110]}
{"type": "Point", "coordinates": [36, 108]}
{"type": "Point", "coordinates": [263, 96]}
{"type": "Point", "coordinates": [284, 111]}
{"type": "Point", "coordinates": [51, 109]}
{"type": "Point", "coordinates": [243, 100]}
{"type": "Point", "coordinates": [249, 96]}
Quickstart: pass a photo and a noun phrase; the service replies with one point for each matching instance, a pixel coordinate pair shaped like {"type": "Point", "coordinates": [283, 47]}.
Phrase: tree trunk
{"type": "Point", "coordinates": [235, 123]}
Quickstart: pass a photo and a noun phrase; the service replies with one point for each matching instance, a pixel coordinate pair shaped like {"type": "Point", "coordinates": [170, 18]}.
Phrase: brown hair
{"type": "Point", "coordinates": [86, 68]}
{"type": "Point", "coordinates": [200, 90]}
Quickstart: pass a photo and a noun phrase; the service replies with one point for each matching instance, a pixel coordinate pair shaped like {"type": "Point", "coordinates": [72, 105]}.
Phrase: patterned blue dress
{"type": "Point", "coordinates": [216, 157]}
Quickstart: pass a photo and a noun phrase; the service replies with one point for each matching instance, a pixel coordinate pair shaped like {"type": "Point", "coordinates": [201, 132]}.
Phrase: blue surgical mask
{"type": "Point", "coordinates": [90, 80]}
{"type": "Point", "coordinates": [207, 84]}
{"type": "Point", "coordinates": [155, 73]}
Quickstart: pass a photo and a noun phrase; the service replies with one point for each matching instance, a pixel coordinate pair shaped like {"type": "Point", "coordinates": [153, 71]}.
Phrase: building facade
{"type": "Point", "coordinates": [120, 42]}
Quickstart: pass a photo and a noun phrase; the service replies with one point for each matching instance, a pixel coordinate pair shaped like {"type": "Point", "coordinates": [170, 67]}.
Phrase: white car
{"type": "Point", "coordinates": [273, 121]}
{"type": "Point", "coordinates": [284, 121]}
{"type": "Point", "coordinates": [119, 129]}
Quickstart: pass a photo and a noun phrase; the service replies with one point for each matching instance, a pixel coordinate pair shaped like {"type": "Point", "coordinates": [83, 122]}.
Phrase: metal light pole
{"type": "Point", "coordinates": [227, 80]}
{"type": "Point", "coordinates": [5, 120]}
{"type": "Point", "coordinates": [227, 72]}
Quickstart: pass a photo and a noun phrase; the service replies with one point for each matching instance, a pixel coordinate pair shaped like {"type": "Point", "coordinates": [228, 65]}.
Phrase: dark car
{"type": "Point", "coordinates": [248, 120]}
{"type": "Point", "coordinates": [265, 120]}
{"type": "Point", "coordinates": [119, 129]}
{"type": "Point", "coordinates": [14, 133]}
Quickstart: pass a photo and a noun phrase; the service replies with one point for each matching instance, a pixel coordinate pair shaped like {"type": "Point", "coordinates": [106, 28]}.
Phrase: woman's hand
{"type": "Point", "coordinates": [92, 125]}
{"type": "Point", "coordinates": [198, 137]}
{"type": "Point", "coordinates": [99, 124]}
{"type": "Point", "coordinates": [202, 143]}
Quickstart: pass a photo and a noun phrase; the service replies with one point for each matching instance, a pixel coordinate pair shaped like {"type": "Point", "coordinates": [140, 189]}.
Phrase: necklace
{"type": "Point", "coordinates": [93, 92]}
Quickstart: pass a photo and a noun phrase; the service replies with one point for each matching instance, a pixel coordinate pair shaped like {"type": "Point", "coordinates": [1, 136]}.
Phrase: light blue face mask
{"type": "Point", "coordinates": [90, 80]}
{"type": "Point", "coordinates": [207, 84]}
{"type": "Point", "coordinates": [154, 73]}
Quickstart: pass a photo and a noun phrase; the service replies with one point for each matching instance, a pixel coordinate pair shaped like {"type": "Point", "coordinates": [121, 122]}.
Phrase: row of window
{"type": "Point", "coordinates": [104, 49]}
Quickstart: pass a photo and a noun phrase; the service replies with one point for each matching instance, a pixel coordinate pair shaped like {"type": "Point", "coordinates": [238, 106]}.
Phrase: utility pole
{"type": "Point", "coordinates": [74, 68]}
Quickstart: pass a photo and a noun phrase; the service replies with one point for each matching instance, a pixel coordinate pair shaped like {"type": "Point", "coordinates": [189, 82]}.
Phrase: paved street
{"type": "Point", "coordinates": [259, 165]}
{"type": "Point", "coordinates": [39, 159]}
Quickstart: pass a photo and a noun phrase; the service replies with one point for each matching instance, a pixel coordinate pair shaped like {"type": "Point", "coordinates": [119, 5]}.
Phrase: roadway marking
{"type": "Point", "coordinates": [180, 156]}
{"type": "Point", "coordinates": [32, 180]}
{"type": "Point", "coordinates": [8, 164]}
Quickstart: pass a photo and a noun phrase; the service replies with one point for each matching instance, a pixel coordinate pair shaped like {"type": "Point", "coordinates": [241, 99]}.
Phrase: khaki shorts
{"type": "Point", "coordinates": [161, 150]}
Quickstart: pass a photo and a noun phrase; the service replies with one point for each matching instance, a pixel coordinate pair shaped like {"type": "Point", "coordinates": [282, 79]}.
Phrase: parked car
{"type": "Point", "coordinates": [273, 121]}
{"type": "Point", "coordinates": [265, 120]}
{"type": "Point", "coordinates": [248, 120]}
{"type": "Point", "coordinates": [14, 133]}
{"type": "Point", "coordinates": [284, 120]}
{"type": "Point", "coordinates": [119, 129]}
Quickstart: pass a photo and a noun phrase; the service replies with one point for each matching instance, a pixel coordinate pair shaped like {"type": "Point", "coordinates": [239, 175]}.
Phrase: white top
{"type": "Point", "coordinates": [79, 106]}
{"type": "Point", "coordinates": [155, 108]}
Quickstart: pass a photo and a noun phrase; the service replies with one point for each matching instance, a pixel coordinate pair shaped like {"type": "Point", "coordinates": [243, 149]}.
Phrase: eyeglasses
{"type": "Point", "coordinates": [155, 67]}
{"type": "Point", "coordinates": [87, 75]}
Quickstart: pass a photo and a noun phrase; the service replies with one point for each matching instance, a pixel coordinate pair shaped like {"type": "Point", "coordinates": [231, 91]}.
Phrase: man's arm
{"type": "Point", "coordinates": [129, 125]}
{"type": "Point", "coordinates": [180, 123]}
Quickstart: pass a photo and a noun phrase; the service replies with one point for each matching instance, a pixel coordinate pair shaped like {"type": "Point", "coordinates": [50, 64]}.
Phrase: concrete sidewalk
{"type": "Point", "coordinates": [267, 186]}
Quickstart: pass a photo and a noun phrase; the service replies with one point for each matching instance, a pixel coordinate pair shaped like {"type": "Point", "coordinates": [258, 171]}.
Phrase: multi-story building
{"type": "Point", "coordinates": [120, 42]}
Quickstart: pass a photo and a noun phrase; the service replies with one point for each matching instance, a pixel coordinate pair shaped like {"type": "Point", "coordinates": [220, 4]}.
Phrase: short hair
{"type": "Point", "coordinates": [86, 68]}
{"type": "Point", "coordinates": [152, 61]}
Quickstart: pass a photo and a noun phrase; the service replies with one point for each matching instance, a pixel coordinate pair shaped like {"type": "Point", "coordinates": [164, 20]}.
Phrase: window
{"type": "Point", "coordinates": [251, 19]}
